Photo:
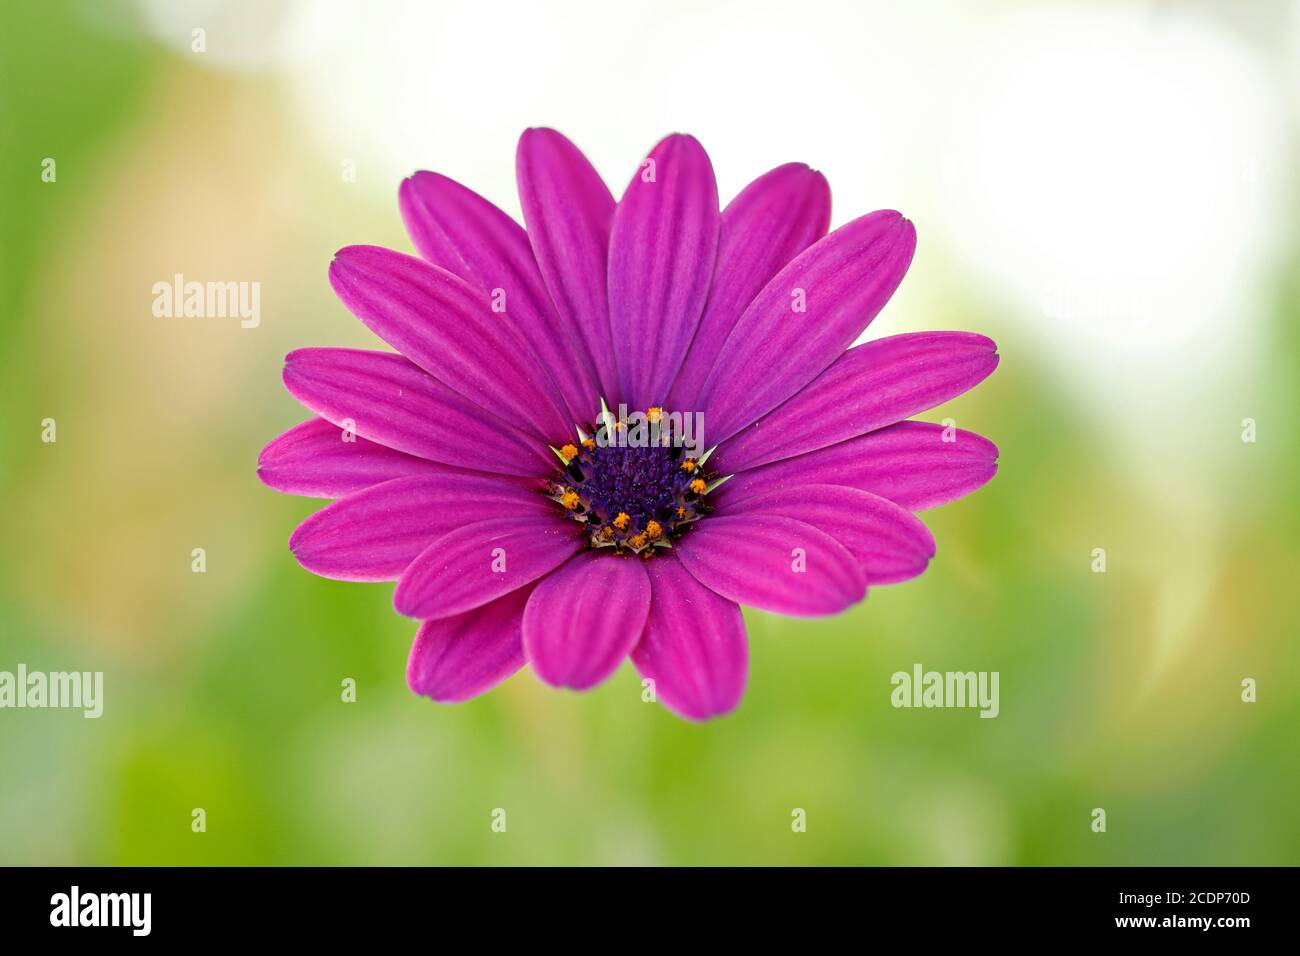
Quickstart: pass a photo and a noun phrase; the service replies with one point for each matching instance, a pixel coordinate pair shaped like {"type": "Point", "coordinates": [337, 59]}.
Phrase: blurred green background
{"type": "Point", "coordinates": [1118, 409]}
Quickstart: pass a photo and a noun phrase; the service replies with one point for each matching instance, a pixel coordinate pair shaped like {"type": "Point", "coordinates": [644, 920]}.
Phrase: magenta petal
{"type": "Point", "coordinates": [479, 561]}
{"type": "Point", "coordinates": [910, 463]}
{"type": "Point", "coordinates": [661, 254]}
{"type": "Point", "coordinates": [694, 646]}
{"type": "Point", "coordinates": [584, 619]}
{"type": "Point", "coordinates": [448, 328]}
{"type": "Point", "coordinates": [374, 534]}
{"type": "Point", "coordinates": [460, 231]}
{"type": "Point", "coordinates": [460, 657]}
{"type": "Point", "coordinates": [314, 459]}
{"type": "Point", "coordinates": [568, 211]}
{"type": "Point", "coordinates": [775, 349]}
{"type": "Point", "coordinates": [890, 542]}
{"type": "Point", "coordinates": [876, 384]}
{"type": "Point", "coordinates": [773, 219]}
{"type": "Point", "coordinates": [391, 401]}
{"type": "Point", "coordinates": [757, 560]}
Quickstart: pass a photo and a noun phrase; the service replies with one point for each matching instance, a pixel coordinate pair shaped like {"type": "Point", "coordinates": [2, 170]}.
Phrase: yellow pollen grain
{"type": "Point", "coordinates": [681, 512]}
{"type": "Point", "coordinates": [607, 533]}
{"type": "Point", "coordinates": [654, 414]}
{"type": "Point", "coordinates": [622, 520]}
{"type": "Point", "coordinates": [689, 465]}
{"type": "Point", "coordinates": [698, 486]}
{"type": "Point", "coordinates": [654, 529]}
{"type": "Point", "coordinates": [569, 452]}
{"type": "Point", "coordinates": [589, 444]}
{"type": "Point", "coordinates": [637, 540]}
{"type": "Point", "coordinates": [569, 499]}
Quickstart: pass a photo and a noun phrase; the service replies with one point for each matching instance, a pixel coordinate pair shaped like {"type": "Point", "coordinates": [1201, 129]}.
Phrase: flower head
{"type": "Point", "coordinates": [531, 467]}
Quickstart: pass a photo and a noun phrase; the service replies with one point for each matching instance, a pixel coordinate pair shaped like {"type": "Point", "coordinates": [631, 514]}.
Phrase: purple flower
{"type": "Point", "coordinates": [530, 466]}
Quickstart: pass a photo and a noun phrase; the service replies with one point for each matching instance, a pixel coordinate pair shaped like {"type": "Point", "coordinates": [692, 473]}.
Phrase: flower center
{"type": "Point", "coordinates": [637, 482]}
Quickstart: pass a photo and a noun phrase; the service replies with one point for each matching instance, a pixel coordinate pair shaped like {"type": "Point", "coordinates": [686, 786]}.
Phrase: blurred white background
{"type": "Point", "coordinates": [1104, 172]}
